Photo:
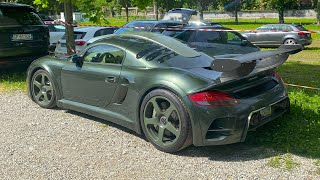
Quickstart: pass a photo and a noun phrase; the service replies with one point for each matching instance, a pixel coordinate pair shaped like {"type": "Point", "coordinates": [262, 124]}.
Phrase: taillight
{"type": "Point", "coordinates": [80, 42]}
{"type": "Point", "coordinates": [302, 33]}
{"type": "Point", "coordinates": [277, 77]}
{"type": "Point", "coordinates": [213, 98]}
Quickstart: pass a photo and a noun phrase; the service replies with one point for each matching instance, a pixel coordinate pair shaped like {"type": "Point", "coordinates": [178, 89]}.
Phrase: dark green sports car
{"type": "Point", "coordinates": [159, 87]}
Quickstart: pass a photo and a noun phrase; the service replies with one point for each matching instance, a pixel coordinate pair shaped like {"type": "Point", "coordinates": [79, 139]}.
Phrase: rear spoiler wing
{"type": "Point", "coordinates": [252, 63]}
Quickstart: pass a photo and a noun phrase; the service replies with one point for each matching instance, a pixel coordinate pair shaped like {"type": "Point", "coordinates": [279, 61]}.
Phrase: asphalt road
{"type": "Point", "coordinates": [37, 143]}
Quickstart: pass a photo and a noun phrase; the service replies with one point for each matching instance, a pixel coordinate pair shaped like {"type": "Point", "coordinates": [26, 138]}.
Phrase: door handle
{"type": "Point", "coordinates": [111, 79]}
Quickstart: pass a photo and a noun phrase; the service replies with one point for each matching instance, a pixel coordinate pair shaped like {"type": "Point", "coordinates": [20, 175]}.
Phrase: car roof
{"type": "Point", "coordinates": [282, 24]}
{"type": "Point", "coordinates": [87, 29]}
{"type": "Point", "coordinates": [168, 42]}
{"type": "Point", "coordinates": [15, 5]}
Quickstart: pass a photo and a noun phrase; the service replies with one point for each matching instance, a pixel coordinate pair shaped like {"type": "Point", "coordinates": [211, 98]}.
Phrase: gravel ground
{"type": "Point", "coordinates": [36, 143]}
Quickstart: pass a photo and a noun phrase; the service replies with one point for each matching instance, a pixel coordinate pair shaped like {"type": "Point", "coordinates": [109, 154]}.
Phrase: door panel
{"type": "Point", "coordinates": [91, 84]}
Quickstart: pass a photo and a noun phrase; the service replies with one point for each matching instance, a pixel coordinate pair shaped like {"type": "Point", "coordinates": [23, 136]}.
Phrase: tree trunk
{"type": "Point", "coordinates": [236, 16]}
{"type": "Point", "coordinates": [127, 13]}
{"type": "Point", "coordinates": [281, 11]}
{"type": "Point", "coordinates": [69, 29]}
{"type": "Point", "coordinates": [156, 9]}
{"type": "Point", "coordinates": [200, 7]}
{"type": "Point", "coordinates": [281, 16]}
{"type": "Point", "coordinates": [318, 12]}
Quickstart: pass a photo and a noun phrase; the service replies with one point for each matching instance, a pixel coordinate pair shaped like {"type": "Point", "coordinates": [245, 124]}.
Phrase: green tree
{"type": "Point", "coordinates": [70, 42]}
{"type": "Point", "coordinates": [126, 4]}
{"type": "Point", "coordinates": [233, 6]}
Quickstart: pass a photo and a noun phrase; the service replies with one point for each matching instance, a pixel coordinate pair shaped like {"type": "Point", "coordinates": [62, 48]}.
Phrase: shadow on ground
{"type": "Point", "coordinates": [267, 141]}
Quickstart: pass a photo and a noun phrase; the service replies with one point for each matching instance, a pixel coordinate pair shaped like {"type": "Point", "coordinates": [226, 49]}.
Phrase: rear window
{"type": "Point", "coordinates": [102, 32]}
{"type": "Point", "coordinates": [77, 35]}
{"type": "Point", "coordinates": [129, 27]}
{"type": "Point", "coordinates": [18, 16]}
{"type": "Point", "coordinates": [301, 28]}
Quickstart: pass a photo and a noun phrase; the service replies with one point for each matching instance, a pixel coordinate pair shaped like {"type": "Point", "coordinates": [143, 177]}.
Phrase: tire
{"type": "Point", "coordinates": [42, 89]}
{"type": "Point", "coordinates": [290, 41]}
{"type": "Point", "coordinates": [165, 122]}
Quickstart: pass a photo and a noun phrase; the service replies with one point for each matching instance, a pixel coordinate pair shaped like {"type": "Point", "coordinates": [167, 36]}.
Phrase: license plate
{"type": "Point", "coordinates": [266, 112]}
{"type": "Point", "coordinates": [18, 37]}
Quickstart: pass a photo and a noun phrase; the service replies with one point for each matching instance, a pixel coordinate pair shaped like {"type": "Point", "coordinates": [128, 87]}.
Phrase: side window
{"type": "Point", "coordinates": [186, 36]}
{"type": "Point", "coordinates": [159, 30]}
{"type": "Point", "coordinates": [288, 28]}
{"type": "Point", "coordinates": [209, 37]}
{"type": "Point", "coordinates": [278, 28]}
{"type": "Point", "coordinates": [233, 38]}
{"type": "Point", "coordinates": [264, 28]}
{"type": "Point", "coordinates": [104, 54]}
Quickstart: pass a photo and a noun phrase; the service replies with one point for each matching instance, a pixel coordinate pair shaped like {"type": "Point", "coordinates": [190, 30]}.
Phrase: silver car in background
{"type": "Point", "coordinates": [274, 35]}
{"type": "Point", "coordinates": [81, 36]}
{"type": "Point", "coordinates": [56, 31]}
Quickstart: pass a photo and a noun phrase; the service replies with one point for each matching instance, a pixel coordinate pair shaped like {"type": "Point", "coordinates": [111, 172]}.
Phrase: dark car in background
{"type": "Point", "coordinates": [148, 25]}
{"type": "Point", "coordinates": [213, 40]}
{"type": "Point", "coordinates": [23, 35]}
{"type": "Point", "coordinates": [274, 35]}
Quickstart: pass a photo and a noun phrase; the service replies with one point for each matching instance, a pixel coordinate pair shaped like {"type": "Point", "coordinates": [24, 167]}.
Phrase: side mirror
{"type": "Point", "coordinates": [77, 60]}
{"type": "Point", "coordinates": [244, 42]}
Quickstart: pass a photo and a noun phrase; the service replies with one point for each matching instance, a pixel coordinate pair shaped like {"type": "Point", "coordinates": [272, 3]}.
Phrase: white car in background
{"type": "Point", "coordinates": [56, 32]}
{"type": "Point", "coordinates": [81, 36]}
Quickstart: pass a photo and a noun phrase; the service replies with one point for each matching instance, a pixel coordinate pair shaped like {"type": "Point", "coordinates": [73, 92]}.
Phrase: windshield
{"type": "Point", "coordinates": [129, 27]}
{"type": "Point", "coordinates": [19, 16]}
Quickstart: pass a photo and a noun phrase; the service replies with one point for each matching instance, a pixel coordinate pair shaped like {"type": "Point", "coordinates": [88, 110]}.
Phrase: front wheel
{"type": "Point", "coordinates": [165, 122]}
{"type": "Point", "coordinates": [42, 89]}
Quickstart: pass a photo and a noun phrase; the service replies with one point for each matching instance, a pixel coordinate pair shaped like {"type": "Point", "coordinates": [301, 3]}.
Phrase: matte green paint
{"type": "Point", "coordinates": [87, 90]}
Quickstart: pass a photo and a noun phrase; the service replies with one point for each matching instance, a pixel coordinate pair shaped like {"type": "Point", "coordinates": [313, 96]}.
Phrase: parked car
{"type": "Point", "coordinates": [218, 40]}
{"type": "Point", "coordinates": [23, 35]}
{"type": "Point", "coordinates": [159, 87]}
{"type": "Point", "coordinates": [274, 35]}
{"type": "Point", "coordinates": [81, 36]}
{"type": "Point", "coordinates": [56, 32]}
{"type": "Point", "coordinates": [148, 25]}
{"type": "Point", "coordinates": [184, 15]}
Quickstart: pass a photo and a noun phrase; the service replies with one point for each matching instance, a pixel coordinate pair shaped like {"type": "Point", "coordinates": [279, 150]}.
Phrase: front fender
{"type": "Point", "coordinates": [53, 67]}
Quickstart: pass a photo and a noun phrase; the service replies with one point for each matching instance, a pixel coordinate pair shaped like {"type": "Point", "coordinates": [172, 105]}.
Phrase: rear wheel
{"type": "Point", "coordinates": [165, 121]}
{"type": "Point", "coordinates": [42, 89]}
{"type": "Point", "coordinates": [290, 42]}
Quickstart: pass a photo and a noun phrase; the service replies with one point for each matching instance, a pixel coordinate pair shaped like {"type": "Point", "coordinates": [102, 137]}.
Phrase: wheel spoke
{"type": "Point", "coordinates": [172, 129]}
{"type": "Point", "coordinates": [169, 111]}
{"type": "Point", "coordinates": [49, 88]}
{"type": "Point", "coordinates": [36, 83]}
{"type": "Point", "coordinates": [160, 135]}
{"type": "Point", "coordinates": [152, 121]}
{"type": "Point", "coordinates": [43, 82]}
{"type": "Point", "coordinates": [46, 99]}
{"type": "Point", "coordinates": [155, 106]}
{"type": "Point", "coordinates": [38, 96]}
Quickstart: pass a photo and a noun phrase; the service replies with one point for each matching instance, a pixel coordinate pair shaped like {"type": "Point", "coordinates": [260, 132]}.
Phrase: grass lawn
{"type": "Point", "coordinates": [298, 132]}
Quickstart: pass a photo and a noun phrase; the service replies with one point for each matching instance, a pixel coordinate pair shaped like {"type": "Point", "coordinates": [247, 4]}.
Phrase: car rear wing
{"type": "Point", "coordinates": [252, 63]}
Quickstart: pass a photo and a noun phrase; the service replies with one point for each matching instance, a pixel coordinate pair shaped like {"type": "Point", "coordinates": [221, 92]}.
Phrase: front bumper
{"type": "Point", "coordinates": [227, 125]}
